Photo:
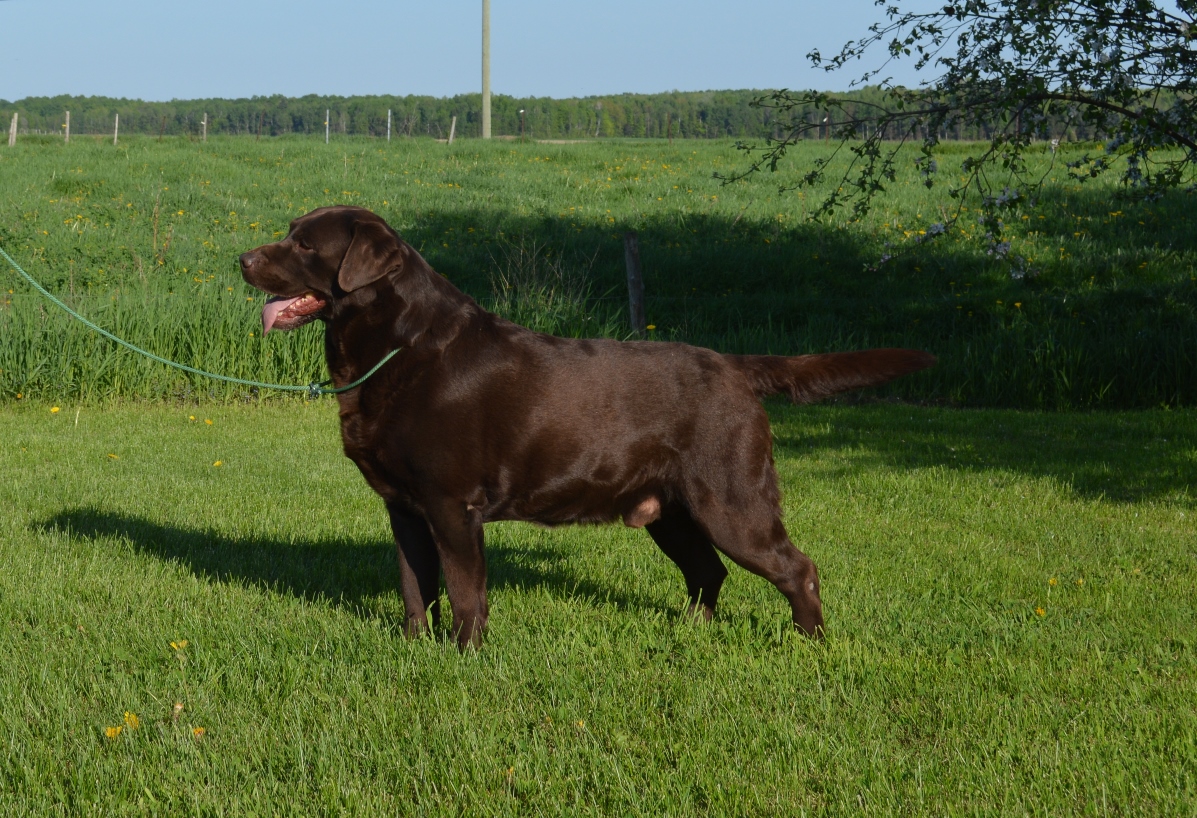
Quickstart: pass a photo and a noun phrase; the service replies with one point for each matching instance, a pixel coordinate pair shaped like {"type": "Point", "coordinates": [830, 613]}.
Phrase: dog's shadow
{"type": "Point", "coordinates": [348, 575]}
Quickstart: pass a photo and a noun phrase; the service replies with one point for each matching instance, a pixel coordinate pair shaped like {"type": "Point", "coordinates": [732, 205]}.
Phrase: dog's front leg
{"type": "Point", "coordinates": [419, 567]}
{"type": "Point", "coordinates": [457, 531]}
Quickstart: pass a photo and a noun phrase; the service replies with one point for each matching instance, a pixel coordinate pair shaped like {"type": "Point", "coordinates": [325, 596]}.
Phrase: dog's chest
{"type": "Point", "coordinates": [377, 448]}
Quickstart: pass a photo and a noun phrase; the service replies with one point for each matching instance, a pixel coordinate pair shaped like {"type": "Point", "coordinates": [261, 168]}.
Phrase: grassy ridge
{"type": "Point", "coordinates": [145, 237]}
{"type": "Point", "coordinates": [1010, 630]}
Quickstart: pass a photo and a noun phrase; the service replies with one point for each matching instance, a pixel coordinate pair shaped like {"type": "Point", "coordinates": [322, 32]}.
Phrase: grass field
{"type": "Point", "coordinates": [198, 602]}
{"type": "Point", "coordinates": [145, 236]}
{"type": "Point", "coordinates": [1009, 598]}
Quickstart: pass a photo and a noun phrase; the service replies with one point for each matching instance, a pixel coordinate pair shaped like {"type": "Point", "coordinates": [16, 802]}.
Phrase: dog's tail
{"type": "Point", "coordinates": [810, 378]}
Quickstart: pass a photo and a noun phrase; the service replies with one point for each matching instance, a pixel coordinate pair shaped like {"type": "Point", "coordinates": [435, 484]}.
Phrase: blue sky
{"type": "Point", "coordinates": [187, 49]}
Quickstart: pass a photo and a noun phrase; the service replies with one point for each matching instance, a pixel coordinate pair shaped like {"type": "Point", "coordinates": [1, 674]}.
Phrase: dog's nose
{"type": "Point", "coordinates": [248, 260]}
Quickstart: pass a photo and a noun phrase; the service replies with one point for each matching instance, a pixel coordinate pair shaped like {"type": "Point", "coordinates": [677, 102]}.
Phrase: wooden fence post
{"type": "Point", "coordinates": [116, 128]}
{"type": "Point", "coordinates": [67, 127]}
{"type": "Point", "coordinates": [631, 257]}
{"type": "Point", "coordinates": [388, 124]}
{"type": "Point", "coordinates": [204, 125]}
{"type": "Point", "coordinates": [12, 131]}
{"type": "Point", "coordinates": [326, 118]}
{"type": "Point", "coordinates": [452, 129]}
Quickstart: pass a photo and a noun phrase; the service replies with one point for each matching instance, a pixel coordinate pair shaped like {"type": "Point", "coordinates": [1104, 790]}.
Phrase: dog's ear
{"type": "Point", "coordinates": [373, 252]}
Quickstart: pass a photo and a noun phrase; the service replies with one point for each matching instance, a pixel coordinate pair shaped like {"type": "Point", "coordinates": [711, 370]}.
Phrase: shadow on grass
{"type": "Point", "coordinates": [345, 574]}
{"type": "Point", "coordinates": [1121, 457]}
{"type": "Point", "coordinates": [1111, 322]}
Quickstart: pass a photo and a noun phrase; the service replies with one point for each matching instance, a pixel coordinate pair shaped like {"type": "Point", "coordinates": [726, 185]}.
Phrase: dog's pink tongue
{"type": "Point", "coordinates": [273, 307]}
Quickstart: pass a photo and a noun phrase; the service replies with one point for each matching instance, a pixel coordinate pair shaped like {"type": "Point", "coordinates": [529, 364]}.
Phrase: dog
{"type": "Point", "coordinates": [478, 419]}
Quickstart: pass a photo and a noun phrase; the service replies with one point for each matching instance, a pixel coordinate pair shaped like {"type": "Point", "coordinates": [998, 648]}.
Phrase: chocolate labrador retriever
{"type": "Point", "coordinates": [478, 419]}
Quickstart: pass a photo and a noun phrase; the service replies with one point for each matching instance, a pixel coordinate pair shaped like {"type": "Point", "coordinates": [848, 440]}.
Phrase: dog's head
{"type": "Point", "coordinates": [327, 255]}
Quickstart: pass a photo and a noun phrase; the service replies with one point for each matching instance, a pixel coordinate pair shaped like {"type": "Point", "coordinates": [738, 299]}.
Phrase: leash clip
{"type": "Point", "coordinates": [314, 390]}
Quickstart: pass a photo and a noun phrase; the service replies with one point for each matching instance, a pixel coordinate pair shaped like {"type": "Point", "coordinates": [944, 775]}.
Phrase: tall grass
{"type": "Point", "coordinates": [145, 239]}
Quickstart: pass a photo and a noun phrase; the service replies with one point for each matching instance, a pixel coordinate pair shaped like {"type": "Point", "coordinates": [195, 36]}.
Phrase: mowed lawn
{"type": "Point", "coordinates": [1010, 602]}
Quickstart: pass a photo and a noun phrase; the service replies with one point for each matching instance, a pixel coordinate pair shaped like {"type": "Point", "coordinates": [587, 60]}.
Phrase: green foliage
{"type": "Point", "coordinates": [699, 114]}
{"type": "Point", "coordinates": [1017, 71]}
{"type": "Point", "coordinates": [955, 679]}
{"type": "Point", "coordinates": [144, 238]}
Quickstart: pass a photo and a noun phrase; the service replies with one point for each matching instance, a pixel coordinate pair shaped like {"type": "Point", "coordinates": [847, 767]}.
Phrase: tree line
{"type": "Point", "coordinates": [684, 115]}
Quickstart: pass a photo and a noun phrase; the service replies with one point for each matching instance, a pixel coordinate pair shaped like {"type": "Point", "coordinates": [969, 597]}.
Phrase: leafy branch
{"type": "Point", "coordinates": [1019, 71]}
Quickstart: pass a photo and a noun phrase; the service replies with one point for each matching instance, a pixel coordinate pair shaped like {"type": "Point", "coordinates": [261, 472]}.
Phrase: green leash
{"type": "Point", "coordinates": [315, 389]}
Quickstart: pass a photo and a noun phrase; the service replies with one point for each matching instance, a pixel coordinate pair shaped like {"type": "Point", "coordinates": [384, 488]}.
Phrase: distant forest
{"type": "Point", "coordinates": [684, 115]}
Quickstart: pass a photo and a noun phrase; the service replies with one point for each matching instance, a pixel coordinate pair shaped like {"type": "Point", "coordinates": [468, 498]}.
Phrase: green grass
{"type": "Point", "coordinates": [535, 230]}
{"type": "Point", "coordinates": [939, 689]}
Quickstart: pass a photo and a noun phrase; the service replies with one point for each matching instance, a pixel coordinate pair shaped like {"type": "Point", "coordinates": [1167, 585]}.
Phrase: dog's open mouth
{"type": "Point", "coordinates": [288, 313]}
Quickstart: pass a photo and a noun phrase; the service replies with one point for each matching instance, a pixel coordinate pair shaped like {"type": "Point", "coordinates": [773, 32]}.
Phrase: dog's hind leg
{"type": "Point", "coordinates": [419, 568]}
{"type": "Point", "coordinates": [685, 543]}
{"type": "Point", "coordinates": [753, 536]}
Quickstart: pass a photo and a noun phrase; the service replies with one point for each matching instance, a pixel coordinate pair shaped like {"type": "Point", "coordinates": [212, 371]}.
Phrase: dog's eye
{"type": "Point", "coordinates": [303, 245]}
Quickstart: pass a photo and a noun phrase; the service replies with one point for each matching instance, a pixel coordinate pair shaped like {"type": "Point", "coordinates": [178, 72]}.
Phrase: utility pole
{"type": "Point", "coordinates": [486, 69]}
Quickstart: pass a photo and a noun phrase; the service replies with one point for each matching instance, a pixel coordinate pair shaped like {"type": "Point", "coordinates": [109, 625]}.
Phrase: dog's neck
{"type": "Point", "coordinates": [412, 308]}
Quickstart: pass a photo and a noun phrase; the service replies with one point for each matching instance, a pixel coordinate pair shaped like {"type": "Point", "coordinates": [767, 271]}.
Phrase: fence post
{"type": "Point", "coordinates": [204, 125]}
{"type": "Point", "coordinates": [631, 257]}
{"type": "Point", "coordinates": [116, 128]}
{"type": "Point", "coordinates": [327, 112]}
{"type": "Point", "coordinates": [67, 127]}
{"type": "Point", "coordinates": [388, 124]}
{"type": "Point", "coordinates": [452, 129]}
{"type": "Point", "coordinates": [12, 131]}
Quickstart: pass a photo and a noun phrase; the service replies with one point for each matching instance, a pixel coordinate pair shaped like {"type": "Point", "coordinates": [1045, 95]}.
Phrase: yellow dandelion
{"type": "Point", "coordinates": [198, 732]}
{"type": "Point", "coordinates": [132, 720]}
{"type": "Point", "coordinates": [113, 456]}
{"type": "Point", "coordinates": [191, 418]}
{"type": "Point", "coordinates": [54, 410]}
{"type": "Point", "coordinates": [182, 643]}
{"type": "Point", "coordinates": [651, 326]}
{"type": "Point", "coordinates": [580, 723]}
{"type": "Point", "coordinates": [1080, 582]}
{"type": "Point", "coordinates": [208, 421]}
{"type": "Point", "coordinates": [1053, 581]}
{"type": "Point", "coordinates": [1040, 612]}
{"type": "Point", "coordinates": [218, 464]}
{"type": "Point", "coordinates": [113, 732]}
